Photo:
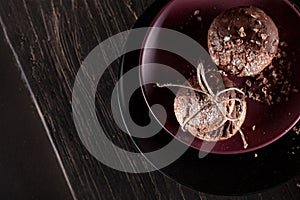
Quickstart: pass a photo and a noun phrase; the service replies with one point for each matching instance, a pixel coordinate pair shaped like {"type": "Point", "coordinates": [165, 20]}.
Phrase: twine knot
{"type": "Point", "coordinates": [206, 90]}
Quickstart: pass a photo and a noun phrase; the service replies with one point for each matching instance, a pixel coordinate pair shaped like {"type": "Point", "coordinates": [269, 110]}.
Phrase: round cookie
{"type": "Point", "coordinates": [209, 124]}
{"type": "Point", "coordinates": [243, 41]}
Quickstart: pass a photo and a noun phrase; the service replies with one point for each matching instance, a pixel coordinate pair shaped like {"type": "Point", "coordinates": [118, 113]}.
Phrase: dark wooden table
{"type": "Point", "coordinates": [49, 40]}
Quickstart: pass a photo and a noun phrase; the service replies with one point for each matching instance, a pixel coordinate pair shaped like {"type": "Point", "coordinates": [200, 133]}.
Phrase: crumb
{"type": "Point", "coordinates": [264, 90]}
{"type": "Point", "coordinates": [199, 18]}
{"type": "Point", "coordinates": [248, 83]}
{"type": "Point", "coordinates": [283, 44]}
{"type": "Point", "coordinates": [265, 81]}
{"type": "Point", "coordinates": [283, 54]}
{"type": "Point", "coordinates": [253, 127]}
{"type": "Point", "coordinates": [196, 12]}
{"type": "Point", "coordinates": [250, 94]}
{"type": "Point", "coordinates": [255, 155]}
{"type": "Point", "coordinates": [298, 185]}
{"type": "Point", "coordinates": [296, 130]}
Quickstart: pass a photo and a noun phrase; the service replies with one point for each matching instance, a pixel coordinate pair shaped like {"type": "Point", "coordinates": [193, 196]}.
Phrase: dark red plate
{"type": "Point", "coordinates": [271, 122]}
{"type": "Point", "coordinates": [232, 174]}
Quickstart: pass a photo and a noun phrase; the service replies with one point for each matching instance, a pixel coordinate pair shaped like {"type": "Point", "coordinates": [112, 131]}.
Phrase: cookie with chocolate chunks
{"type": "Point", "coordinates": [242, 41]}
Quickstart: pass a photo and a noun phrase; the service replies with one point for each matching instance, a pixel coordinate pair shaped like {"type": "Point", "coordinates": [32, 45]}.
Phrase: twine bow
{"type": "Point", "coordinates": [214, 98]}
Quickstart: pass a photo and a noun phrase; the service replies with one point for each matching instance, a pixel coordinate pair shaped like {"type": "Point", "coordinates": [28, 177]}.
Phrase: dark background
{"type": "Point", "coordinates": [47, 40]}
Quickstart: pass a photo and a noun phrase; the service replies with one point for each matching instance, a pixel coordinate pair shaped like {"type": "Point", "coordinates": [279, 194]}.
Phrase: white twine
{"type": "Point", "coordinates": [206, 90]}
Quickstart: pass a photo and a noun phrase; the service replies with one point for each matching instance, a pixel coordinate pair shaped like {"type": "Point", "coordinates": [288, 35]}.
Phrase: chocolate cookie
{"type": "Point", "coordinates": [243, 40]}
{"type": "Point", "coordinates": [209, 123]}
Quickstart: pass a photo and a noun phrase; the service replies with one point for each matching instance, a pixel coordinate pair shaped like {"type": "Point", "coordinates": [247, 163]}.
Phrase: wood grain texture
{"type": "Point", "coordinates": [51, 39]}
